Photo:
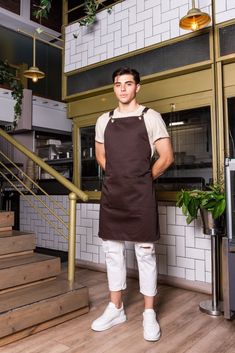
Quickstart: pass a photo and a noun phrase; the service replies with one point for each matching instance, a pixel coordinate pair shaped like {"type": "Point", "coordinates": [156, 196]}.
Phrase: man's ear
{"type": "Point", "coordinates": [137, 88]}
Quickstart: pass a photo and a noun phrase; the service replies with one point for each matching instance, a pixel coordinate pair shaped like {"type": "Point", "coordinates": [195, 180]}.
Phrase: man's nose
{"type": "Point", "coordinates": [123, 87]}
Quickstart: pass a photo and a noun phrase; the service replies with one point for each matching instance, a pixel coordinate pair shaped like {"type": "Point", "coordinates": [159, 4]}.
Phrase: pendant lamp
{"type": "Point", "coordinates": [33, 72]}
{"type": "Point", "coordinates": [195, 19]}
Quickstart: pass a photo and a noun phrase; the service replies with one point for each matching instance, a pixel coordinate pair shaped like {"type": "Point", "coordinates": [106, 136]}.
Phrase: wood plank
{"type": "Point", "coordinates": [14, 233]}
{"type": "Point", "coordinates": [3, 291]}
{"type": "Point", "coordinates": [6, 219]}
{"type": "Point", "coordinates": [43, 326]}
{"type": "Point", "coordinates": [36, 293]}
{"type": "Point", "coordinates": [41, 311]}
{"type": "Point", "coordinates": [5, 229]}
{"type": "Point", "coordinates": [26, 269]}
{"type": "Point", "coordinates": [16, 243]}
{"type": "Point", "coordinates": [184, 327]}
{"type": "Point", "coordinates": [30, 252]}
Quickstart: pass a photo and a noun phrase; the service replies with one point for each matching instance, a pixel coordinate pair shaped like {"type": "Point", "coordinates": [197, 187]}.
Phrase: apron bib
{"type": "Point", "coordinates": [128, 208]}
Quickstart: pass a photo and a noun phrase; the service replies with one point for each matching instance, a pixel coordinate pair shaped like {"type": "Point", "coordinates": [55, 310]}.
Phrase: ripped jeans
{"type": "Point", "coordinates": [116, 266]}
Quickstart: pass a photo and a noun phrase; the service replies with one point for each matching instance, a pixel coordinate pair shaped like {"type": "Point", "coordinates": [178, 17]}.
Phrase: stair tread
{"type": "Point", "coordinates": [14, 261]}
{"type": "Point", "coordinates": [13, 233]}
{"type": "Point", "coordinates": [39, 292]}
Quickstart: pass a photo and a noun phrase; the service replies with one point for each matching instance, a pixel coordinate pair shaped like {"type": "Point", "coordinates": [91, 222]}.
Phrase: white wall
{"type": "Point", "coordinates": [50, 114]}
{"type": "Point", "coordinates": [133, 24]}
{"type": "Point", "coordinates": [46, 113]}
{"type": "Point", "coordinates": [183, 251]}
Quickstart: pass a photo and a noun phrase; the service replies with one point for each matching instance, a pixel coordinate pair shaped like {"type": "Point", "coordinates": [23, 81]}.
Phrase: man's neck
{"type": "Point", "coordinates": [128, 108]}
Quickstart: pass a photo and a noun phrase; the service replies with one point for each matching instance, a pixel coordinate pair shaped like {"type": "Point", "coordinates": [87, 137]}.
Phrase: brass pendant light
{"type": "Point", "coordinates": [195, 19]}
{"type": "Point", "coordinates": [33, 72]}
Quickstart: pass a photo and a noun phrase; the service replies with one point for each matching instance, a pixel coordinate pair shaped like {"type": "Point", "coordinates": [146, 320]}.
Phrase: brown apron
{"type": "Point", "coordinates": [128, 209]}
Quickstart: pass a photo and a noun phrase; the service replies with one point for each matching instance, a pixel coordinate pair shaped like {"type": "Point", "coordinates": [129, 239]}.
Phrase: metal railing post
{"type": "Point", "coordinates": [72, 237]}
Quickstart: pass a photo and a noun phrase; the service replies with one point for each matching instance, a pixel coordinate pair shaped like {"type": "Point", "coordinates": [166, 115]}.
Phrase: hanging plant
{"type": "Point", "coordinates": [43, 9]}
{"type": "Point", "coordinates": [8, 77]}
{"type": "Point", "coordinates": [91, 8]}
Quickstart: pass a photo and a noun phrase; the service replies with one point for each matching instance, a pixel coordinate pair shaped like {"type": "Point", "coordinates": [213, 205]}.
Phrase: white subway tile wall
{"type": "Point", "coordinates": [183, 250]}
{"type": "Point", "coordinates": [133, 24]}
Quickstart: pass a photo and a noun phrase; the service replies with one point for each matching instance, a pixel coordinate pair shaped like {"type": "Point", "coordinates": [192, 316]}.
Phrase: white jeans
{"type": "Point", "coordinates": [116, 266]}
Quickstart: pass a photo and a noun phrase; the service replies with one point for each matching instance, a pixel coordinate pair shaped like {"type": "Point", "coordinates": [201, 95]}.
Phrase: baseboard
{"type": "Point", "coordinates": [53, 252]}
{"type": "Point", "coordinates": [196, 286]}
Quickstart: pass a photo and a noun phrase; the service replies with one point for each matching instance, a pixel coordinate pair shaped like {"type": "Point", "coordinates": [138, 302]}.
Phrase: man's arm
{"type": "Point", "coordinates": [166, 157]}
{"type": "Point", "coordinates": [100, 154]}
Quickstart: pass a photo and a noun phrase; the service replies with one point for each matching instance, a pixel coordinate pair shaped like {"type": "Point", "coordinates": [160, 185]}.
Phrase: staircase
{"type": "Point", "coordinates": [34, 292]}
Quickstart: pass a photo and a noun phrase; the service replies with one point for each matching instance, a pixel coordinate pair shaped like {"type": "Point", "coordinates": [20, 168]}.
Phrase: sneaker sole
{"type": "Point", "coordinates": [111, 324]}
{"type": "Point", "coordinates": [153, 339]}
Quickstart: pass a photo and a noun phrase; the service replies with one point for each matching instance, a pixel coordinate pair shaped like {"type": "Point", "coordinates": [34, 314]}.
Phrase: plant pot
{"type": "Point", "coordinates": [212, 226]}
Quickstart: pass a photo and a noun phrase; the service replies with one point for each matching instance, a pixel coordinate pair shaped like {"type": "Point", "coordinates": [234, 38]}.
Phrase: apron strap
{"type": "Point", "coordinates": [142, 114]}
{"type": "Point", "coordinates": [111, 114]}
{"type": "Point", "coordinates": [144, 111]}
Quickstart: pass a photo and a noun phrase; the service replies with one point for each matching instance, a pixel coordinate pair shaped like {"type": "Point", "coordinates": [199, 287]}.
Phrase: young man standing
{"type": "Point", "coordinates": [126, 139]}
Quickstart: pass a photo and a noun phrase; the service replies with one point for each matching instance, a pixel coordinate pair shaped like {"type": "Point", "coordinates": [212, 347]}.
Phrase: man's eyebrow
{"type": "Point", "coordinates": [124, 82]}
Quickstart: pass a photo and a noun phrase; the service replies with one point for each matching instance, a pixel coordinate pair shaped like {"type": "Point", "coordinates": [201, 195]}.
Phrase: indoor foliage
{"type": "Point", "coordinates": [212, 200]}
{"type": "Point", "coordinates": [8, 77]}
{"type": "Point", "coordinates": [91, 8]}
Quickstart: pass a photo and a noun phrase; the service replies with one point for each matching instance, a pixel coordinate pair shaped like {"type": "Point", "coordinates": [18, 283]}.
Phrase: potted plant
{"type": "Point", "coordinates": [211, 203]}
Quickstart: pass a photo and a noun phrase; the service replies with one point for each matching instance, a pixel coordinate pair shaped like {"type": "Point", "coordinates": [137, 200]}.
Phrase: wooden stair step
{"type": "Point", "coordinates": [6, 219]}
{"type": "Point", "coordinates": [14, 241]}
{"type": "Point", "coordinates": [27, 307]}
{"type": "Point", "coordinates": [18, 270]}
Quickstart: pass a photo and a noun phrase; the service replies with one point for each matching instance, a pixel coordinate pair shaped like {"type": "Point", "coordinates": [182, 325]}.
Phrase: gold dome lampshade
{"type": "Point", "coordinates": [33, 72]}
{"type": "Point", "coordinates": [195, 19]}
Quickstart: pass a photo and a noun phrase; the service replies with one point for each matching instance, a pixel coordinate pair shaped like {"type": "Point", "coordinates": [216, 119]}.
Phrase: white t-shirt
{"type": "Point", "coordinates": [154, 123]}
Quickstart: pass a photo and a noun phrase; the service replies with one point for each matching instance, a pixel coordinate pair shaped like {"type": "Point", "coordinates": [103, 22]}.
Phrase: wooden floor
{"type": "Point", "coordinates": [184, 328]}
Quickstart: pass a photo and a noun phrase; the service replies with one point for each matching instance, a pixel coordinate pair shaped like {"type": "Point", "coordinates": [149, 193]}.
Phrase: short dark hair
{"type": "Point", "coordinates": [127, 71]}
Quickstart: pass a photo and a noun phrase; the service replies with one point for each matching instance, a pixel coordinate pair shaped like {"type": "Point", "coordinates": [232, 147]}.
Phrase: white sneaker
{"type": "Point", "coordinates": [152, 331]}
{"type": "Point", "coordinates": [111, 316]}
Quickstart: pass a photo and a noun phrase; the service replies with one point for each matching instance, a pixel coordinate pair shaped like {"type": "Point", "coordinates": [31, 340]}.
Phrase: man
{"type": "Point", "coordinates": [126, 139]}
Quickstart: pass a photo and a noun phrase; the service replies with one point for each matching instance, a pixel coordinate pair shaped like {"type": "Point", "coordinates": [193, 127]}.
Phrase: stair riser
{"type": "Point", "coordinates": [6, 219]}
{"type": "Point", "coordinates": [15, 244]}
{"type": "Point", "coordinates": [36, 313]}
{"type": "Point", "coordinates": [28, 273]}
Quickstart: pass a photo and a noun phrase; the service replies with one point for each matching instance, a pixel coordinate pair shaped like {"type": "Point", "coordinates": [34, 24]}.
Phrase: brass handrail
{"type": "Point", "coordinates": [31, 204]}
{"type": "Point", "coordinates": [35, 184]}
{"type": "Point", "coordinates": [33, 193]}
{"type": "Point", "coordinates": [62, 180]}
{"type": "Point", "coordinates": [74, 193]}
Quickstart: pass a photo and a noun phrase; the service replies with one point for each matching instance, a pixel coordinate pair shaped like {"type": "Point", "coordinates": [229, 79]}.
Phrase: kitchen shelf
{"type": "Point", "coordinates": [193, 166]}
{"type": "Point", "coordinates": [59, 161]}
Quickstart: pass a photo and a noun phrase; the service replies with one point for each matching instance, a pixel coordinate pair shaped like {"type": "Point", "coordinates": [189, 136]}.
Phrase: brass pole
{"type": "Point", "coordinates": [72, 237]}
{"type": "Point", "coordinates": [34, 49]}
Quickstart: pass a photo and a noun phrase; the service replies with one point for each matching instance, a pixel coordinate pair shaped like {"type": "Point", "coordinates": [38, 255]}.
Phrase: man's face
{"type": "Point", "coordinates": [125, 88]}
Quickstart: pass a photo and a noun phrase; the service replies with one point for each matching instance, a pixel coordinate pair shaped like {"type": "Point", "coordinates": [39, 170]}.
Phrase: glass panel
{"type": "Point", "coordinates": [190, 132]}
{"type": "Point", "coordinates": [168, 57]}
{"type": "Point", "coordinates": [231, 122]}
{"type": "Point", "coordinates": [91, 173]}
{"type": "Point", "coordinates": [232, 178]}
{"type": "Point", "coordinates": [227, 40]}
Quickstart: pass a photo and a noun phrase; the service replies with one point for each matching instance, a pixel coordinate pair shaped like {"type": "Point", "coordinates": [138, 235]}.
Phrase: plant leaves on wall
{"type": "Point", "coordinates": [7, 77]}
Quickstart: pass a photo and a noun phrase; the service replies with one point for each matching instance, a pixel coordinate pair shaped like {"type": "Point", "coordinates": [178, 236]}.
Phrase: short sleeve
{"type": "Point", "coordinates": [158, 126]}
{"type": "Point", "coordinates": [100, 128]}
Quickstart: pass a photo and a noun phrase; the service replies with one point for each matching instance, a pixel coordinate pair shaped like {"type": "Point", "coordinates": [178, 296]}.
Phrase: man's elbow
{"type": "Point", "coordinates": [169, 160]}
